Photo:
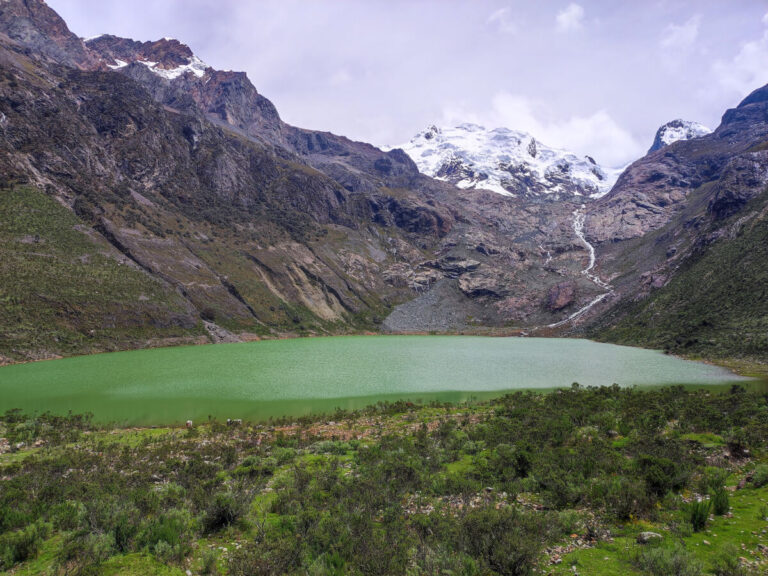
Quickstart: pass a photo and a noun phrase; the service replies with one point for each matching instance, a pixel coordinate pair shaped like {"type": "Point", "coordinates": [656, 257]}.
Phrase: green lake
{"type": "Point", "coordinates": [258, 380]}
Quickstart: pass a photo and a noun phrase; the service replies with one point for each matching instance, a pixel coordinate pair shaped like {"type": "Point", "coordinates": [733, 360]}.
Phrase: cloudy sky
{"type": "Point", "coordinates": [597, 77]}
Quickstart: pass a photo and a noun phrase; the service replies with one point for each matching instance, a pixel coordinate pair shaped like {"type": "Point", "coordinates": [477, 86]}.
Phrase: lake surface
{"type": "Point", "coordinates": [258, 380]}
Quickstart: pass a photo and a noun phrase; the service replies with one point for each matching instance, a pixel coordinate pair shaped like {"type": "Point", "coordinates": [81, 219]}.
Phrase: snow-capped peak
{"type": "Point", "coordinates": [677, 130]}
{"type": "Point", "coordinates": [505, 161]}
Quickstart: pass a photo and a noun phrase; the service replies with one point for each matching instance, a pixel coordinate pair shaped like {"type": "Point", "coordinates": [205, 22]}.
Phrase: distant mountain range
{"type": "Point", "coordinates": [514, 163]}
{"type": "Point", "coordinates": [148, 199]}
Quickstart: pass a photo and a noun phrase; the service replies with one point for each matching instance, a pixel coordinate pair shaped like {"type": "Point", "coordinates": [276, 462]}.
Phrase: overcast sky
{"type": "Point", "coordinates": [597, 77]}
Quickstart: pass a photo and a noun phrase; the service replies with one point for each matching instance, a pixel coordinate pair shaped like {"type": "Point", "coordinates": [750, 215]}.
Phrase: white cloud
{"type": "Point", "coordinates": [502, 20]}
{"type": "Point", "coordinates": [681, 36]}
{"type": "Point", "coordinates": [765, 19]}
{"type": "Point", "coordinates": [747, 70]}
{"type": "Point", "coordinates": [340, 78]}
{"type": "Point", "coordinates": [570, 18]}
{"type": "Point", "coordinates": [598, 134]}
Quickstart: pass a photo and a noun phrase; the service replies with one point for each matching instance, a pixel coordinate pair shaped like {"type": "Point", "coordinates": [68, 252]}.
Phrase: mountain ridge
{"type": "Point", "coordinates": [263, 229]}
{"type": "Point", "coordinates": [248, 227]}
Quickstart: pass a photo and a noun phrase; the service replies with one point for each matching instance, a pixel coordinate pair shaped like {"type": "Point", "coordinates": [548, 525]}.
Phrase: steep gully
{"type": "Point", "coordinates": [578, 227]}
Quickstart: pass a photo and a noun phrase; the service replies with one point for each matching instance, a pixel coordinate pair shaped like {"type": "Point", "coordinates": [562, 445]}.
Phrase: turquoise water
{"type": "Point", "coordinates": [292, 377]}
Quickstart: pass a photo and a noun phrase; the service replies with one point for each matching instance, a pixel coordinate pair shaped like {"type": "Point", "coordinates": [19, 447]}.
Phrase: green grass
{"type": "Point", "coordinates": [745, 527]}
{"type": "Point", "coordinates": [707, 440]}
{"type": "Point", "coordinates": [137, 565]}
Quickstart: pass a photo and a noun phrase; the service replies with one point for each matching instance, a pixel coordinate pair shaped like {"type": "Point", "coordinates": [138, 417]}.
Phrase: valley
{"type": "Point", "coordinates": [233, 346]}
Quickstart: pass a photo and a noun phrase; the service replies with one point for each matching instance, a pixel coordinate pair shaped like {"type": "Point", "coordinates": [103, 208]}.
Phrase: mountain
{"type": "Point", "coordinates": [176, 193]}
{"type": "Point", "coordinates": [149, 199]}
{"type": "Point", "coordinates": [507, 162]}
{"type": "Point", "coordinates": [651, 191]}
{"type": "Point", "coordinates": [36, 26]}
{"type": "Point", "coordinates": [677, 130]}
{"type": "Point", "coordinates": [681, 237]}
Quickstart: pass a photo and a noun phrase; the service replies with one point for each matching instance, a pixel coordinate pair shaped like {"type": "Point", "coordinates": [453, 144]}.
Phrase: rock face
{"type": "Point", "coordinates": [657, 187]}
{"type": "Point", "coordinates": [561, 295]}
{"type": "Point", "coordinates": [507, 162]}
{"type": "Point", "coordinates": [677, 130]}
{"type": "Point", "coordinates": [34, 24]}
{"type": "Point", "coordinates": [189, 176]}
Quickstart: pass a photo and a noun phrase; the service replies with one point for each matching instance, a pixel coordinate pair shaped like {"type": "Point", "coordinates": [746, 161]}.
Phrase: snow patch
{"type": "Point", "coordinates": [503, 161]}
{"type": "Point", "coordinates": [692, 130]}
{"type": "Point", "coordinates": [195, 66]}
{"type": "Point", "coordinates": [118, 64]}
{"type": "Point", "coordinates": [678, 130]}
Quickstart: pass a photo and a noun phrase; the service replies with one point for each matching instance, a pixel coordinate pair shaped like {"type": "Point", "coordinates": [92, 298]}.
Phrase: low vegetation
{"type": "Point", "coordinates": [562, 483]}
{"type": "Point", "coordinates": [65, 290]}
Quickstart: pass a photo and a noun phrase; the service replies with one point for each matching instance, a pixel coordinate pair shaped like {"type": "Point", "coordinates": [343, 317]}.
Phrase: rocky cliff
{"type": "Point", "coordinates": [228, 222]}
{"type": "Point", "coordinates": [680, 239]}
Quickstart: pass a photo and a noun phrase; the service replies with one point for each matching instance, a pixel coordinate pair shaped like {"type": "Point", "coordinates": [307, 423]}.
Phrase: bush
{"type": "Point", "coordinates": [224, 510]}
{"type": "Point", "coordinates": [720, 502]}
{"type": "Point", "coordinates": [210, 563]}
{"type": "Point", "coordinates": [712, 479]}
{"type": "Point", "coordinates": [22, 545]}
{"type": "Point", "coordinates": [698, 514]}
{"type": "Point", "coordinates": [622, 497]}
{"type": "Point", "coordinates": [659, 561]}
{"type": "Point", "coordinates": [171, 530]}
{"type": "Point", "coordinates": [82, 552]}
{"type": "Point", "coordinates": [504, 539]}
{"type": "Point", "coordinates": [68, 515]}
{"type": "Point", "coordinates": [661, 474]}
{"type": "Point", "coordinates": [728, 564]}
{"type": "Point", "coordinates": [760, 476]}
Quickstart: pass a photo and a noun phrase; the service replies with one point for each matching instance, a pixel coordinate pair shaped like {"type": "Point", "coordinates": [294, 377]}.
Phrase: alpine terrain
{"type": "Point", "coordinates": [149, 199]}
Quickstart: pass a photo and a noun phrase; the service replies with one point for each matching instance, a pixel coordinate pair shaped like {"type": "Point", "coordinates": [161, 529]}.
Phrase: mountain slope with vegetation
{"type": "Point", "coordinates": [687, 254]}
{"type": "Point", "coordinates": [716, 304]}
{"type": "Point", "coordinates": [103, 299]}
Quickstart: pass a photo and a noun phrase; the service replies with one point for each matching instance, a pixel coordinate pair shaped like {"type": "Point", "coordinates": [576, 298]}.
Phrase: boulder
{"type": "Point", "coordinates": [560, 296]}
{"type": "Point", "coordinates": [647, 537]}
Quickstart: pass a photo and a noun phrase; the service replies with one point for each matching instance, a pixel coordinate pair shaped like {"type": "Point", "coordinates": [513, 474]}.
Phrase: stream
{"type": "Point", "coordinates": [579, 216]}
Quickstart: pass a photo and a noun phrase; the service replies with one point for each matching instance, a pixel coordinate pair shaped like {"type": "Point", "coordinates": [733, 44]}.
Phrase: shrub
{"type": "Point", "coordinates": [170, 528]}
{"type": "Point", "coordinates": [661, 474]}
{"type": "Point", "coordinates": [659, 561]}
{"type": "Point", "coordinates": [622, 497]}
{"type": "Point", "coordinates": [712, 479]}
{"type": "Point", "coordinates": [68, 515]}
{"type": "Point", "coordinates": [504, 539]}
{"type": "Point", "coordinates": [82, 551]}
{"type": "Point", "coordinates": [727, 563]}
{"type": "Point", "coordinates": [224, 510]}
{"type": "Point", "coordinates": [760, 476]}
{"type": "Point", "coordinates": [720, 502]}
{"type": "Point", "coordinates": [210, 563]}
{"type": "Point", "coordinates": [22, 545]}
{"type": "Point", "coordinates": [698, 514]}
